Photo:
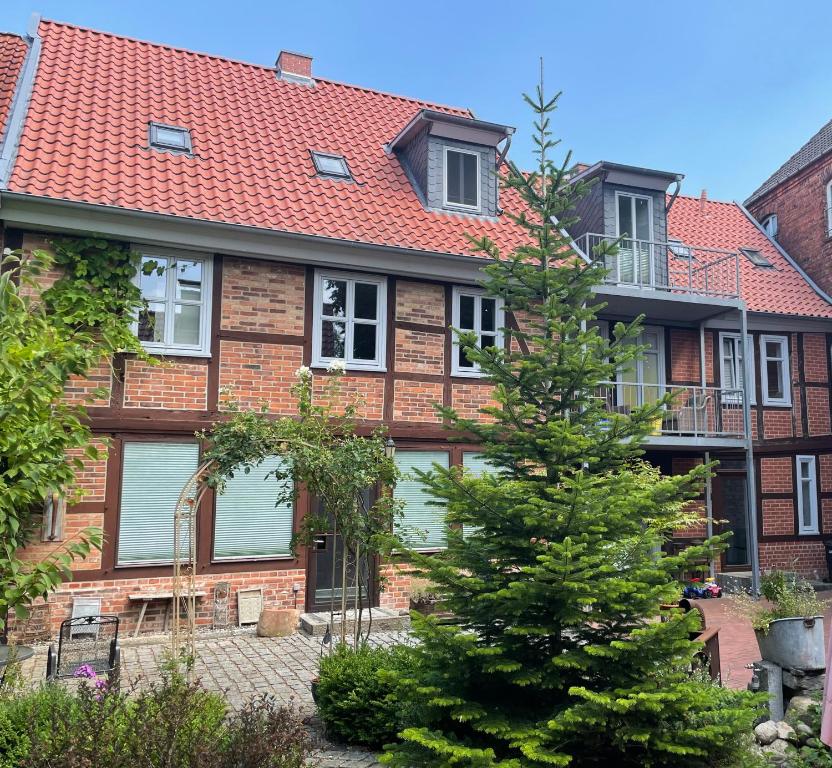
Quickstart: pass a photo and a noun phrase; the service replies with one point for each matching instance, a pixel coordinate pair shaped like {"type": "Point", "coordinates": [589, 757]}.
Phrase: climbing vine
{"type": "Point", "coordinates": [47, 337]}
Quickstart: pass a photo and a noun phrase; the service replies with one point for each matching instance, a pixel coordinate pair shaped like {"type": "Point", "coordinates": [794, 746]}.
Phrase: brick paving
{"type": "Point", "coordinates": [242, 665]}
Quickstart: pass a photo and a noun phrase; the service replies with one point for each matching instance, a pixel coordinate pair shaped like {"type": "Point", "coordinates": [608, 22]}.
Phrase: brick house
{"type": "Point", "coordinates": [310, 221]}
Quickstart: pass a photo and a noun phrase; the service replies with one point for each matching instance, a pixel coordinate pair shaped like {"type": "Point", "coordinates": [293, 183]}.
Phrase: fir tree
{"type": "Point", "coordinates": [556, 656]}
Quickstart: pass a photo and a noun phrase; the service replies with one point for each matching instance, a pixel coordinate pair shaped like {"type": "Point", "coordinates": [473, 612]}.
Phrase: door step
{"type": "Point", "coordinates": [384, 620]}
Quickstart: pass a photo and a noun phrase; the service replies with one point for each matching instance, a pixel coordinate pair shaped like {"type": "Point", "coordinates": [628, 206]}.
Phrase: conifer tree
{"type": "Point", "coordinates": [556, 655]}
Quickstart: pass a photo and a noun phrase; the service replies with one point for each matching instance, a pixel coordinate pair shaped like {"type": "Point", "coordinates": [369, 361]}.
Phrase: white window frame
{"type": "Point", "coordinates": [499, 322]}
{"type": "Point", "coordinates": [829, 208]}
{"type": "Point", "coordinates": [351, 278]}
{"type": "Point", "coordinates": [812, 480]}
{"type": "Point", "coordinates": [156, 143]}
{"type": "Point", "coordinates": [634, 197]}
{"type": "Point", "coordinates": [203, 348]}
{"type": "Point", "coordinates": [750, 386]}
{"type": "Point", "coordinates": [770, 223]}
{"type": "Point", "coordinates": [447, 203]}
{"type": "Point", "coordinates": [621, 385]}
{"type": "Point", "coordinates": [783, 341]}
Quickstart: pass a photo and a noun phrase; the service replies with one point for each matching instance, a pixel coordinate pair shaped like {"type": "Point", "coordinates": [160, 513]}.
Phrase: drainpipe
{"type": "Point", "coordinates": [751, 485]}
{"type": "Point", "coordinates": [675, 194]}
{"type": "Point", "coordinates": [709, 507]}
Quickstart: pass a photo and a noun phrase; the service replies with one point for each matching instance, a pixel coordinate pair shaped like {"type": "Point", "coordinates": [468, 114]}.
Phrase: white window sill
{"type": "Point", "coordinates": [319, 364]}
{"type": "Point", "coordinates": [777, 404]}
{"type": "Point", "coordinates": [469, 374]}
{"type": "Point", "coordinates": [155, 349]}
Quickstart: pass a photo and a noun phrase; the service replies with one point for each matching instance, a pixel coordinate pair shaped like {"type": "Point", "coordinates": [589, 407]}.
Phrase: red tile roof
{"type": "Point", "coordinates": [13, 49]}
{"type": "Point", "coordinates": [85, 139]}
{"type": "Point", "coordinates": [712, 224]}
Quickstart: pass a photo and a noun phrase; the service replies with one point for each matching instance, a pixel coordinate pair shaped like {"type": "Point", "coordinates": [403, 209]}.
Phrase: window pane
{"type": "Point", "coordinates": [464, 362]}
{"type": "Point", "coordinates": [774, 349]}
{"type": "Point", "coordinates": [466, 313]}
{"type": "Point", "coordinates": [171, 137]}
{"type": "Point", "coordinates": [333, 336]}
{"type": "Point", "coordinates": [453, 177]}
{"type": "Point", "coordinates": [335, 166]}
{"type": "Point", "coordinates": [642, 231]}
{"type": "Point", "coordinates": [188, 280]}
{"type": "Point", "coordinates": [774, 370]}
{"type": "Point", "coordinates": [152, 322]}
{"type": "Point", "coordinates": [625, 216]}
{"type": "Point", "coordinates": [153, 286]}
{"type": "Point", "coordinates": [488, 341]}
{"type": "Point", "coordinates": [488, 313]}
{"type": "Point", "coordinates": [334, 298]}
{"type": "Point", "coordinates": [804, 469]}
{"type": "Point", "coordinates": [806, 493]}
{"type": "Point", "coordinates": [186, 324]}
{"type": "Point", "coordinates": [364, 342]}
{"type": "Point", "coordinates": [470, 184]}
{"type": "Point", "coordinates": [366, 301]}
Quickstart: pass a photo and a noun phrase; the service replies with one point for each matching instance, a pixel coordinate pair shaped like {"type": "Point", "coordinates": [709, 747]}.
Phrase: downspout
{"type": "Point", "coordinates": [751, 485]}
{"type": "Point", "coordinates": [20, 103]}
{"type": "Point", "coordinates": [504, 152]}
{"type": "Point", "coordinates": [675, 194]}
{"type": "Point", "coordinates": [709, 507]}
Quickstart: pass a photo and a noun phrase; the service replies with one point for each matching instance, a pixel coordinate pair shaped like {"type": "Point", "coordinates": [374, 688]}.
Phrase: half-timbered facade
{"type": "Point", "coordinates": [303, 221]}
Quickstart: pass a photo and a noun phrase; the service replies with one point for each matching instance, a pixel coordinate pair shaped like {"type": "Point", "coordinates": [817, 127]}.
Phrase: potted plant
{"type": "Point", "coordinates": [423, 596]}
{"type": "Point", "coordinates": [789, 626]}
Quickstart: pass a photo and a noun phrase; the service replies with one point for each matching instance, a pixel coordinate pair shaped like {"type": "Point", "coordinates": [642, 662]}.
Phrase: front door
{"type": "Point", "coordinates": [730, 505]}
{"type": "Point", "coordinates": [327, 573]}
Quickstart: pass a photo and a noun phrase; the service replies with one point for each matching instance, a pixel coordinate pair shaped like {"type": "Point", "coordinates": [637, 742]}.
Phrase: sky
{"type": "Point", "coordinates": [720, 91]}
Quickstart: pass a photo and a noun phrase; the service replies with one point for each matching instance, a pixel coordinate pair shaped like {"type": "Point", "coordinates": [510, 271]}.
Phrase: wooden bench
{"type": "Point", "coordinates": [148, 597]}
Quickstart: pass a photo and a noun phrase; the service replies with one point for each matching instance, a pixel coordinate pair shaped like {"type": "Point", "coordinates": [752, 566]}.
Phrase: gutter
{"type": "Point", "coordinates": [815, 287]}
{"type": "Point", "coordinates": [20, 103]}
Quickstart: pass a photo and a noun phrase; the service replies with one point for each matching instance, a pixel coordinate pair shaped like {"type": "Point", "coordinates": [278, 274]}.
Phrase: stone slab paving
{"type": "Point", "coordinates": [241, 665]}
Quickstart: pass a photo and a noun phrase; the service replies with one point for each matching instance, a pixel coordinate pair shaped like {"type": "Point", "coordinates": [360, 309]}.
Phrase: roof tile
{"type": "Point", "coordinates": [13, 49]}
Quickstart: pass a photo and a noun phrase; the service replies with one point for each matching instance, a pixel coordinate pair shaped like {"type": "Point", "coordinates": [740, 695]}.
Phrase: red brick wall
{"type": "Point", "coordinates": [396, 582]}
{"type": "Point", "coordinates": [94, 390]}
{"type": "Point", "coordinates": [778, 517]}
{"type": "Point", "coordinates": [91, 479]}
{"type": "Point", "coordinates": [414, 400]}
{"type": "Point", "coordinates": [419, 352]}
{"type": "Point", "coordinates": [469, 398]}
{"type": "Point", "coordinates": [178, 386]}
{"type": "Point", "coordinates": [368, 390]}
{"type": "Point", "coordinates": [420, 303]}
{"type": "Point", "coordinates": [262, 296]}
{"type": "Point", "coordinates": [254, 374]}
{"type": "Point", "coordinates": [805, 557]}
{"type": "Point", "coordinates": [684, 356]}
{"type": "Point", "coordinates": [776, 474]}
{"type": "Point", "coordinates": [800, 205]}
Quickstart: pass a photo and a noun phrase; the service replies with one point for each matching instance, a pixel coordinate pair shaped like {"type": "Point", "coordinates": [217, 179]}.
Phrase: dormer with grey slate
{"type": "Point", "coordinates": [452, 161]}
{"type": "Point", "coordinates": [628, 202]}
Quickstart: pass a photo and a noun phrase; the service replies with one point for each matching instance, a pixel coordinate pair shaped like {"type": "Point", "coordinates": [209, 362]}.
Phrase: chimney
{"type": "Point", "coordinates": [294, 67]}
{"type": "Point", "coordinates": [703, 197]}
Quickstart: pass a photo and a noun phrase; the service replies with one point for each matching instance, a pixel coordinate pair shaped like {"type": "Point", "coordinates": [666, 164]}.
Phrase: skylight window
{"type": "Point", "coordinates": [170, 137]}
{"type": "Point", "coordinates": [756, 258]}
{"type": "Point", "coordinates": [679, 249]}
{"type": "Point", "coordinates": [331, 165]}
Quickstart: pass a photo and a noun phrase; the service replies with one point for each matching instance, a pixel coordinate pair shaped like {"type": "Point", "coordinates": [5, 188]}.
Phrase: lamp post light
{"type": "Point", "coordinates": [390, 448]}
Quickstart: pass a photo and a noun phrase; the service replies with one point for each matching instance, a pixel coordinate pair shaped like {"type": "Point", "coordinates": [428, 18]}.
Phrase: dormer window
{"type": "Point", "coordinates": [331, 165]}
{"type": "Point", "coordinates": [169, 137]}
{"type": "Point", "coordinates": [462, 178]}
{"type": "Point", "coordinates": [770, 225]}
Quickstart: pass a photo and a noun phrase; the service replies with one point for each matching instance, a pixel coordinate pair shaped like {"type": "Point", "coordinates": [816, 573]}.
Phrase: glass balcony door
{"type": "Point", "coordinates": [634, 223]}
{"type": "Point", "coordinates": [643, 380]}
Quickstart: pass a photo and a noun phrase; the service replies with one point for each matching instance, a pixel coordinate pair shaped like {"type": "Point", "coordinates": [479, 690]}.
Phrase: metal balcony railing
{"type": "Point", "coordinates": [703, 412]}
{"type": "Point", "coordinates": [674, 267]}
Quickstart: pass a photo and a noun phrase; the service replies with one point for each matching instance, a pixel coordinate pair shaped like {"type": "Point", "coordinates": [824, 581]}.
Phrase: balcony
{"type": "Point", "coordinates": [696, 417]}
{"type": "Point", "coordinates": [681, 281]}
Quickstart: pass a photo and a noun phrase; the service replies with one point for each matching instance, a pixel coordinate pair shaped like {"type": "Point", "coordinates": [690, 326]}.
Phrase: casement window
{"type": "Point", "coordinates": [829, 208]}
{"type": "Point", "coordinates": [774, 370]}
{"type": "Point", "coordinates": [172, 138]}
{"type": "Point", "coordinates": [731, 367]}
{"type": "Point", "coordinates": [462, 178]}
{"type": "Point", "coordinates": [248, 524]}
{"type": "Point", "coordinates": [807, 495]}
{"type": "Point", "coordinates": [152, 477]}
{"type": "Point", "coordinates": [349, 320]}
{"type": "Point", "coordinates": [474, 311]}
{"type": "Point", "coordinates": [176, 314]}
{"type": "Point", "coordinates": [643, 380]}
{"type": "Point", "coordinates": [422, 523]}
{"type": "Point", "coordinates": [634, 223]}
{"type": "Point", "coordinates": [770, 224]}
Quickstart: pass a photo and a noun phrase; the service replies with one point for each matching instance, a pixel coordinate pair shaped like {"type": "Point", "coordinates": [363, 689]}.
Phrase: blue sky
{"type": "Point", "coordinates": [722, 91]}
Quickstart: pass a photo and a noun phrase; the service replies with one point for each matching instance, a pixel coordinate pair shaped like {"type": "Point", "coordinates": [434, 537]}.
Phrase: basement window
{"type": "Point", "coordinates": [756, 258]}
{"type": "Point", "coordinates": [169, 137]}
{"type": "Point", "coordinates": [331, 165]}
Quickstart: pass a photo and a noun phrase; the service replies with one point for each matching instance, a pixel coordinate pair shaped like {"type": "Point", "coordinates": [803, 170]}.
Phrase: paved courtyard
{"type": "Point", "coordinates": [242, 665]}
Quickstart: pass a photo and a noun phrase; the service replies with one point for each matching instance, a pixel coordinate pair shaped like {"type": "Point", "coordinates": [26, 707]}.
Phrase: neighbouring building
{"type": "Point", "coordinates": [313, 221]}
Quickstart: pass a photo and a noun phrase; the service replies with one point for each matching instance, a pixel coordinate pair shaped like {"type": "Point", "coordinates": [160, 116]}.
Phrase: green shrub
{"type": "Point", "coordinates": [14, 744]}
{"type": "Point", "coordinates": [356, 700]}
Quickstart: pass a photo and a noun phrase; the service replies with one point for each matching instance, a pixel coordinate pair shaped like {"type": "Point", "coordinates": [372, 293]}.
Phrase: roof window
{"type": "Point", "coordinates": [679, 249]}
{"type": "Point", "coordinates": [170, 137]}
{"type": "Point", "coordinates": [756, 258]}
{"type": "Point", "coordinates": [331, 165]}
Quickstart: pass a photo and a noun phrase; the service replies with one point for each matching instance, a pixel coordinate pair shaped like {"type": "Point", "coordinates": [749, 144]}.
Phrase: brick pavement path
{"type": "Point", "coordinates": [737, 644]}
{"type": "Point", "coordinates": [242, 665]}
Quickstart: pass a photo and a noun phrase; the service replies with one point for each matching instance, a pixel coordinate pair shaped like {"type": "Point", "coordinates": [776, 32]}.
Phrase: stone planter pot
{"type": "Point", "coordinates": [425, 606]}
{"type": "Point", "coordinates": [794, 643]}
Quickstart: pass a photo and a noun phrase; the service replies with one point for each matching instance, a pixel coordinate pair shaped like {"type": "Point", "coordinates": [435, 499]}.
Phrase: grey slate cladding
{"type": "Point", "coordinates": [812, 150]}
